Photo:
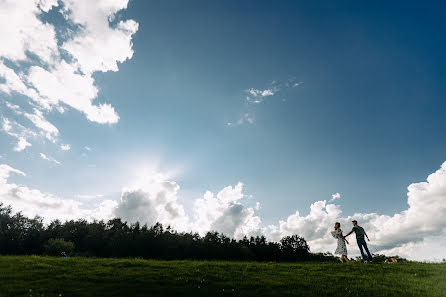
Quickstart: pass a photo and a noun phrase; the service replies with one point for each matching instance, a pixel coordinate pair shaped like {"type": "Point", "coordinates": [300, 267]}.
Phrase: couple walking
{"type": "Point", "coordinates": [342, 248]}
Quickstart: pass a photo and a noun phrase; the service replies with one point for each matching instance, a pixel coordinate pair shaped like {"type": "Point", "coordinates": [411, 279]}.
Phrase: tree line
{"type": "Point", "coordinates": [20, 235]}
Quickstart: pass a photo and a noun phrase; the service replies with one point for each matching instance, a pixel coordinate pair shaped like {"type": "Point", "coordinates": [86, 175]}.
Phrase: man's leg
{"type": "Point", "coordinates": [367, 250]}
{"type": "Point", "coordinates": [360, 242]}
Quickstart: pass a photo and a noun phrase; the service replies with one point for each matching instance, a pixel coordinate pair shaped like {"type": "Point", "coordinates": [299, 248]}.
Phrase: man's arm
{"type": "Point", "coordinates": [349, 234]}
{"type": "Point", "coordinates": [366, 236]}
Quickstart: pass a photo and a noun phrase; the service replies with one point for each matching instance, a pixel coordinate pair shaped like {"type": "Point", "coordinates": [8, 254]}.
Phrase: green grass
{"type": "Point", "coordinates": [47, 276]}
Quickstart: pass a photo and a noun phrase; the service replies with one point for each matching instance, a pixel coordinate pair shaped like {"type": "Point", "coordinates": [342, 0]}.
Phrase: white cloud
{"type": "Point", "coordinates": [292, 83]}
{"type": "Point", "coordinates": [417, 232]}
{"type": "Point", "coordinates": [13, 107]}
{"type": "Point", "coordinates": [257, 96]}
{"type": "Point", "coordinates": [254, 97]}
{"type": "Point", "coordinates": [44, 127]}
{"type": "Point", "coordinates": [406, 233]}
{"type": "Point", "coordinates": [423, 220]}
{"type": "Point", "coordinates": [14, 83]}
{"type": "Point", "coordinates": [261, 93]}
{"type": "Point", "coordinates": [431, 248]}
{"type": "Point", "coordinates": [47, 5]}
{"type": "Point", "coordinates": [49, 158]}
{"type": "Point", "coordinates": [59, 66]}
{"type": "Point", "coordinates": [313, 227]}
{"type": "Point", "coordinates": [154, 198]}
{"type": "Point", "coordinates": [21, 144]}
{"type": "Point", "coordinates": [21, 31]}
{"type": "Point", "coordinates": [47, 129]}
{"type": "Point", "coordinates": [99, 47]}
{"type": "Point", "coordinates": [19, 132]}
{"type": "Point", "coordinates": [32, 202]}
{"type": "Point", "coordinates": [64, 84]}
{"type": "Point", "coordinates": [65, 147]}
{"type": "Point", "coordinates": [150, 200]}
{"type": "Point", "coordinates": [224, 213]}
{"type": "Point", "coordinates": [257, 207]}
{"type": "Point", "coordinates": [335, 196]}
{"type": "Point", "coordinates": [87, 148]}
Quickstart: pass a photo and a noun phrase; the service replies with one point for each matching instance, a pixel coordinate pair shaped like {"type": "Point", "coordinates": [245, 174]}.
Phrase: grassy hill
{"type": "Point", "coordinates": [47, 276]}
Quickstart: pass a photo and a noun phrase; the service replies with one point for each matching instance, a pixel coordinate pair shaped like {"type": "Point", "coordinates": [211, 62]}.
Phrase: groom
{"type": "Point", "coordinates": [360, 240]}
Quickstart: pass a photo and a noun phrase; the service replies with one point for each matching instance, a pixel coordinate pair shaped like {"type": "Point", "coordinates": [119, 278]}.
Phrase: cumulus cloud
{"type": "Point", "coordinates": [32, 202]}
{"type": "Point", "coordinates": [64, 84]}
{"type": "Point", "coordinates": [22, 31]}
{"type": "Point", "coordinates": [54, 66]}
{"type": "Point", "coordinates": [314, 227]}
{"type": "Point", "coordinates": [155, 199]}
{"type": "Point", "coordinates": [417, 232]}
{"type": "Point", "coordinates": [402, 232]}
{"type": "Point", "coordinates": [152, 199]}
{"type": "Point", "coordinates": [98, 46]}
{"type": "Point", "coordinates": [224, 213]}
{"type": "Point", "coordinates": [426, 215]}
{"type": "Point", "coordinates": [431, 248]}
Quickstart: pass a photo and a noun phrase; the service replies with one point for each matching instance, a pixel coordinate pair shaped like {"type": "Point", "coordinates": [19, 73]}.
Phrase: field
{"type": "Point", "coordinates": [47, 276]}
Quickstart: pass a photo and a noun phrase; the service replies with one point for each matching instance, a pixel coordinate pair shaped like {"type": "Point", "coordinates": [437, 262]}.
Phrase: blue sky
{"type": "Point", "coordinates": [356, 105]}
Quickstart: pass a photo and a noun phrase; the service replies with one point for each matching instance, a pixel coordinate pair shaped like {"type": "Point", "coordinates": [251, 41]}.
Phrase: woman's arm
{"type": "Point", "coordinates": [343, 237]}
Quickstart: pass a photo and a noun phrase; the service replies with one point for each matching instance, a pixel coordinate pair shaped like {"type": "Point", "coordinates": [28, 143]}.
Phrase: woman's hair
{"type": "Point", "coordinates": [337, 225]}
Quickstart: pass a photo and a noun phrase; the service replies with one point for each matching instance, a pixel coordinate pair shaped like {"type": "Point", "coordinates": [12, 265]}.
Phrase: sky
{"type": "Point", "coordinates": [244, 117]}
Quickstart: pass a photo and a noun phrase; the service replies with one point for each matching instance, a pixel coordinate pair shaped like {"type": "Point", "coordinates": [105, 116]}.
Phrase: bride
{"type": "Point", "coordinates": [342, 248]}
